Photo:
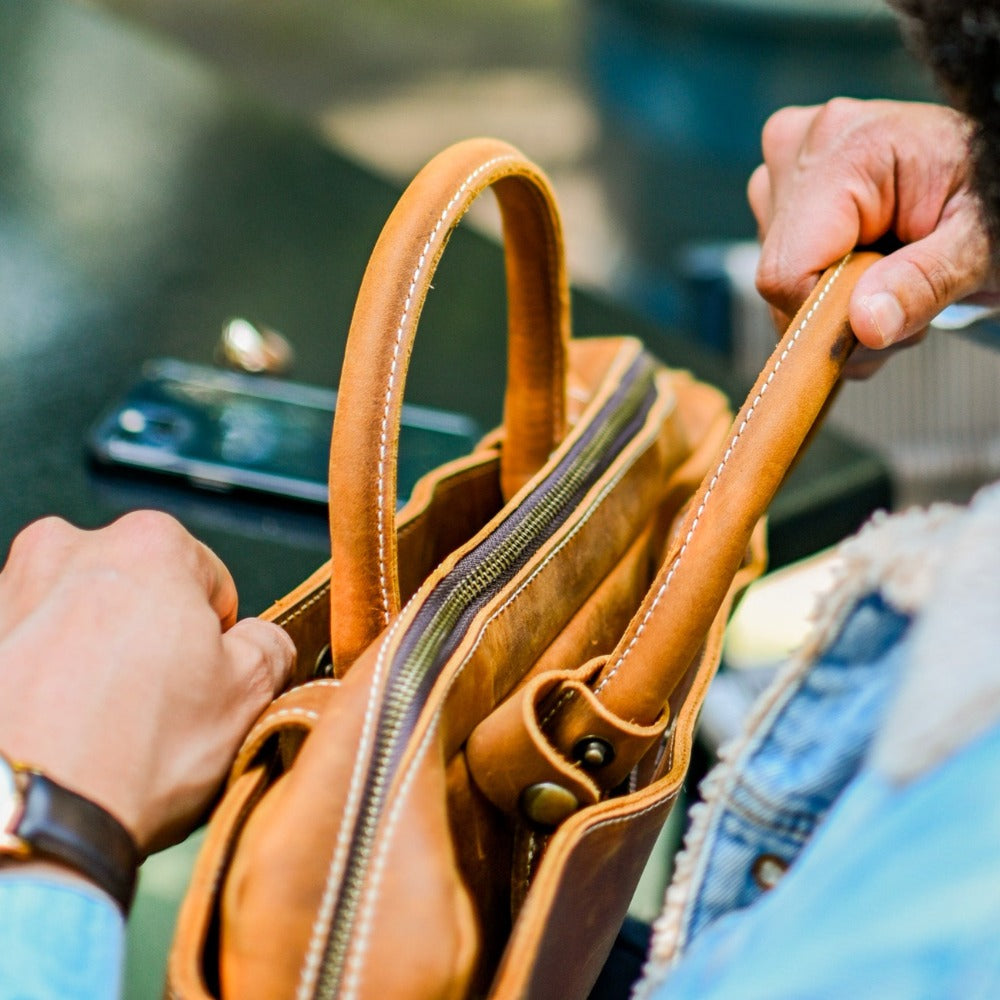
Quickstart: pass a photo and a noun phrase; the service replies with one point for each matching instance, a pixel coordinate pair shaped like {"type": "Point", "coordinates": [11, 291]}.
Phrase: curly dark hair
{"type": "Point", "coordinates": [960, 41]}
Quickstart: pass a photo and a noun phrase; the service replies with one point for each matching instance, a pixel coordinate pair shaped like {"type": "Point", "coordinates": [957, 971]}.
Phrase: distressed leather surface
{"type": "Point", "coordinates": [611, 628]}
{"type": "Point", "coordinates": [366, 428]}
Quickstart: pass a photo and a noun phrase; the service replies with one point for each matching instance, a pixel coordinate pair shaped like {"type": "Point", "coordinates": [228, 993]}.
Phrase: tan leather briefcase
{"type": "Point", "coordinates": [460, 799]}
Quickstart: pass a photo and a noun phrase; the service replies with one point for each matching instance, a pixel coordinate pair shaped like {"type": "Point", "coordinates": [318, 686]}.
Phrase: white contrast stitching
{"type": "Point", "coordinates": [333, 682]}
{"type": "Point", "coordinates": [391, 385]}
{"type": "Point", "coordinates": [319, 595]}
{"type": "Point", "coordinates": [299, 688]}
{"type": "Point", "coordinates": [560, 701]}
{"type": "Point", "coordinates": [324, 913]}
{"type": "Point", "coordinates": [284, 713]}
{"type": "Point", "coordinates": [362, 937]}
{"type": "Point", "coordinates": [718, 473]}
{"type": "Point", "coordinates": [284, 696]}
{"type": "Point", "coordinates": [614, 820]}
{"type": "Point", "coordinates": [321, 923]}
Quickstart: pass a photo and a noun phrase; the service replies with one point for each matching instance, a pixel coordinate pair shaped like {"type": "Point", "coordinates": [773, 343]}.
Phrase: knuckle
{"type": "Point", "coordinates": [258, 677]}
{"type": "Point", "coordinates": [775, 131]}
{"type": "Point", "coordinates": [772, 278]}
{"type": "Point", "coordinates": [840, 109]}
{"type": "Point", "coordinates": [844, 128]}
{"type": "Point", "coordinates": [802, 126]}
{"type": "Point", "coordinates": [151, 521]}
{"type": "Point", "coordinates": [758, 194]}
{"type": "Point", "coordinates": [839, 117]}
{"type": "Point", "coordinates": [43, 535]}
{"type": "Point", "coordinates": [153, 529]}
{"type": "Point", "coordinates": [266, 654]}
{"type": "Point", "coordinates": [782, 285]}
{"type": "Point", "coordinates": [934, 274]}
{"type": "Point", "coordinates": [768, 277]}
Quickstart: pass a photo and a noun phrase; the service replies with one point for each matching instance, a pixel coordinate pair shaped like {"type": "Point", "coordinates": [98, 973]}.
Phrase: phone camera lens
{"type": "Point", "coordinates": [132, 421]}
{"type": "Point", "coordinates": [155, 425]}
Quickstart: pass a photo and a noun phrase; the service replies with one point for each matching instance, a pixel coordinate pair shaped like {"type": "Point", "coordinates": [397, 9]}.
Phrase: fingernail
{"type": "Point", "coordinates": [887, 316]}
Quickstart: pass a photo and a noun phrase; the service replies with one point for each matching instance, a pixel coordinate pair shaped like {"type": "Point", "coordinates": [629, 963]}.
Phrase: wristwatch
{"type": "Point", "coordinates": [39, 818]}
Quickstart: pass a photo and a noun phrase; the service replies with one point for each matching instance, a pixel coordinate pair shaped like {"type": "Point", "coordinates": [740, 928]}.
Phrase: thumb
{"type": "Point", "coordinates": [900, 295]}
{"type": "Point", "coordinates": [263, 656]}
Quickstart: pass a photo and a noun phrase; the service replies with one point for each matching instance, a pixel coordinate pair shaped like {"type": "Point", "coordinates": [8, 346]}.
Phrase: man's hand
{"type": "Point", "coordinates": [848, 173]}
{"type": "Point", "coordinates": [124, 673]}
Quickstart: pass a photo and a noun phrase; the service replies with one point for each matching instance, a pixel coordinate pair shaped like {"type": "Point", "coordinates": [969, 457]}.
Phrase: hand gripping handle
{"type": "Point", "coordinates": [665, 635]}
{"type": "Point", "coordinates": [365, 589]}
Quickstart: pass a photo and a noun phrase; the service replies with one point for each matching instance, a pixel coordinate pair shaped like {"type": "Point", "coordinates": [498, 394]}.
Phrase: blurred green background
{"type": "Point", "coordinates": [646, 113]}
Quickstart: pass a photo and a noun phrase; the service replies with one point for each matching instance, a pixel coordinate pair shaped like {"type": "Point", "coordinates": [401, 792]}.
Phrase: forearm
{"type": "Point", "coordinates": [126, 686]}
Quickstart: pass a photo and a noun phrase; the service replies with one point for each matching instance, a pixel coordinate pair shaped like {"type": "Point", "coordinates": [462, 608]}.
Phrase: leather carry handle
{"type": "Point", "coordinates": [365, 588]}
{"type": "Point", "coordinates": [788, 398]}
{"type": "Point", "coordinates": [767, 435]}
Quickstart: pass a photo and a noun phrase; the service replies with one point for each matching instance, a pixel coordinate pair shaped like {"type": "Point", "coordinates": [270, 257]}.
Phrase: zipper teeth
{"type": "Point", "coordinates": [404, 683]}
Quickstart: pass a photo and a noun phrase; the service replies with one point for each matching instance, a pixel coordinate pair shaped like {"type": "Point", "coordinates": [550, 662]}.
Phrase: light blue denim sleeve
{"type": "Point", "coordinates": [869, 777]}
{"type": "Point", "coordinates": [58, 942]}
{"type": "Point", "coordinates": [896, 898]}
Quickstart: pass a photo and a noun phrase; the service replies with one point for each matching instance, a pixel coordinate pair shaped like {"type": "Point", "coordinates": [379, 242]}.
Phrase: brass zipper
{"type": "Point", "coordinates": [429, 639]}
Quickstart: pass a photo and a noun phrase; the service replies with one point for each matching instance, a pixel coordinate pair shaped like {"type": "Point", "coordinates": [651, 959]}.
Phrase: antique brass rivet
{"type": "Point", "coordinates": [548, 804]}
{"type": "Point", "coordinates": [594, 753]}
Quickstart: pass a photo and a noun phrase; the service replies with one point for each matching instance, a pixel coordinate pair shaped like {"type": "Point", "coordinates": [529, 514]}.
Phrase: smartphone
{"type": "Point", "coordinates": [227, 431]}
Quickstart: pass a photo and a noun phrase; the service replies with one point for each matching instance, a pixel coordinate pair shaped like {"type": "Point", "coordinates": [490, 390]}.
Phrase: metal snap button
{"type": "Point", "coordinates": [548, 804]}
{"type": "Point", "coordinates": [593, 753]}
{"type": "Point", "coordinates": [767, 870]}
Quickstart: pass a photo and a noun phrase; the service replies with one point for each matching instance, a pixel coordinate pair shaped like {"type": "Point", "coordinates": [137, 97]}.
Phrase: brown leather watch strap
{"type": "Point", "coordinates": [60, 825]}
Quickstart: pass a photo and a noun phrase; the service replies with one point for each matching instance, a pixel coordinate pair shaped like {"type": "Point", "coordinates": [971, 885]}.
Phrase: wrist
{"type": "Point", "coordinates": [43, 821]}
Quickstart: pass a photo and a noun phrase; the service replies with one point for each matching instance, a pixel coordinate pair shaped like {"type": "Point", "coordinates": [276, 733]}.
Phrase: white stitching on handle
{"type": "Point", "coordinates": [313, 957]}
{"type": "Point", "coordinates": [391, 385]}
{"type": "Point", "coordinates": [284, 714]}
{"type": "Point", "coordinates": [294, 692]}
{"type": "Point", "coordinates": [718, 473]}
{"type": "Point", "coordinates": [358, 952]}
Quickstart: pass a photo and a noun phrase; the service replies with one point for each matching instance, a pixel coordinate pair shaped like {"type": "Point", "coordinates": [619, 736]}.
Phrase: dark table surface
{"type": "Point", "coordinates": [144, 200]}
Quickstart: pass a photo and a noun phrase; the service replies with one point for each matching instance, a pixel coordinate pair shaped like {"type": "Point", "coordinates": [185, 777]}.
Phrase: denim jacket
{"type": "Point", "coordinates": [848, 843]}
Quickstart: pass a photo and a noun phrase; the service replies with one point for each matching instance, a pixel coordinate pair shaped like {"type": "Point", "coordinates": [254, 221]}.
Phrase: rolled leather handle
{"type": "Point", "coordinates": [767, 435]}
{"type": "Point", "coordinates": [365, 588]}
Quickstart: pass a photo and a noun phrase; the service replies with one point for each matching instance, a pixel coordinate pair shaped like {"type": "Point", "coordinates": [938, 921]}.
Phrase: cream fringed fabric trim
{"type": "Point", "coordinates": [899, 555]}
{"type": "Point", "coordinates": [951, 691]}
